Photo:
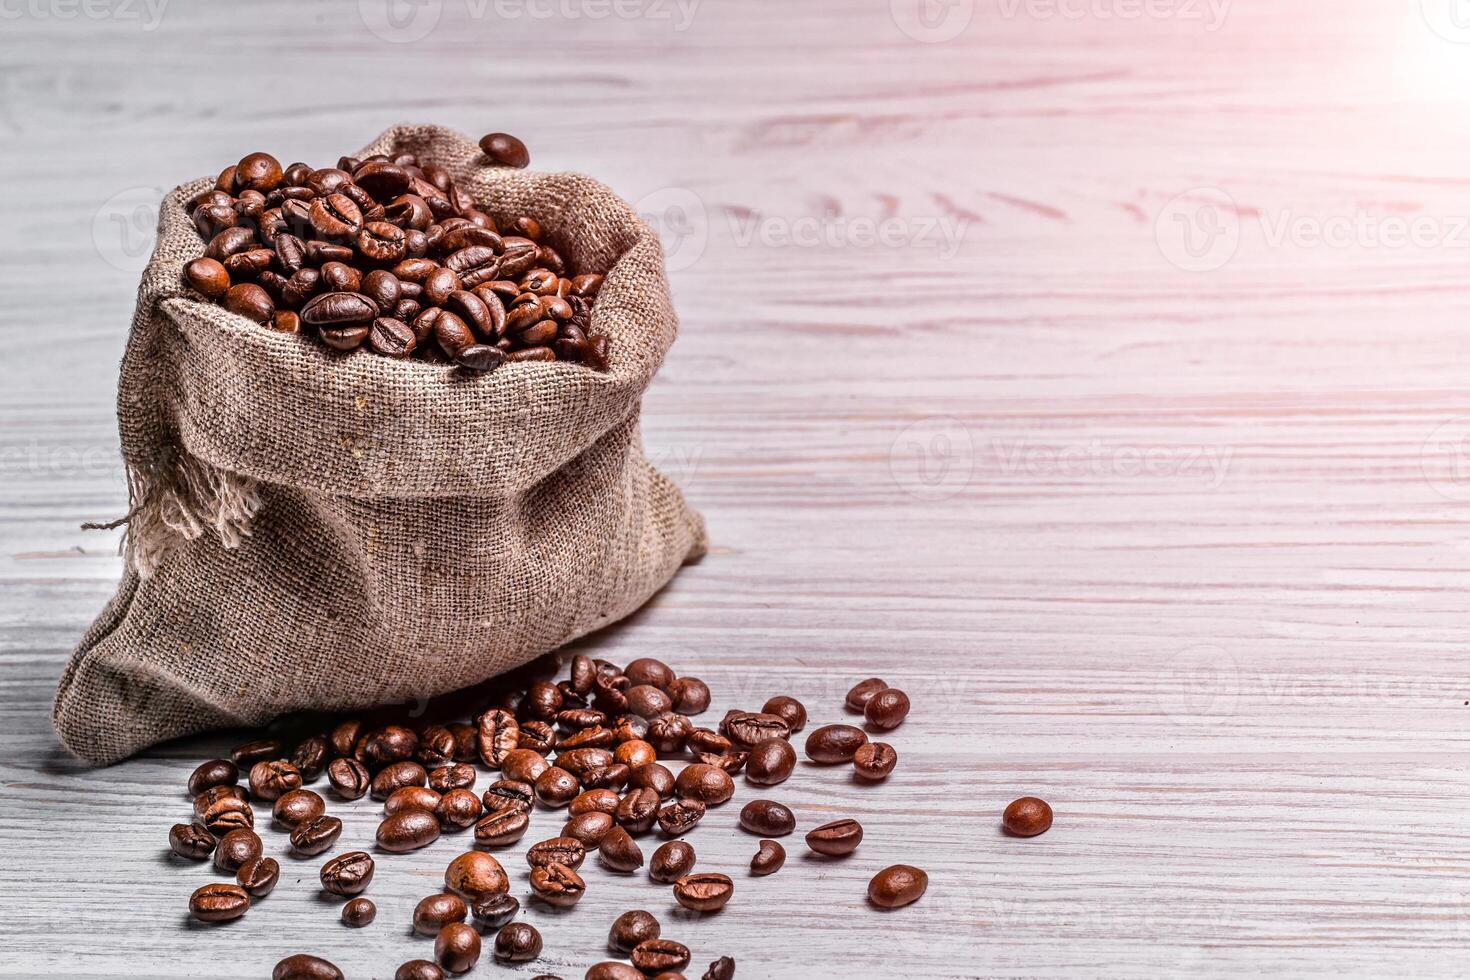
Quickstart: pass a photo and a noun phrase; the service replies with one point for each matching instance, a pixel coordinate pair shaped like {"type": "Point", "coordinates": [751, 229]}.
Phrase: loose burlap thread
{"type": "Point", "coordinates": [311, 530]}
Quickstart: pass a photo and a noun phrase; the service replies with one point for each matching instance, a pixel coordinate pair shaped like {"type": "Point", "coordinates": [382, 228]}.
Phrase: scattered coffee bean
{"type": "Point", "coordinates": [1027, 817]}
{"type": "Point", "coordinates": [874, 760]}
{"type": "Point", "coordinates": [768, 859]}
{"type": "Point", "coordinates": [359, 912]}
{"type": "Point", "coordinates": [887, 709]}
{"type": "Point", "coordinates": [271, 780]}
{"type": "Point", "coordinates": [619, 852]}
{"type": "Point", "coordinates": [518, 942]}
{"type": "Point", "coordinates": [680, 817]}
{"type": "Point", "coordinates": [509, 794]}
{"type": "Point", "coordinates": [703, 891]}
{"type": "Point", "coordinates": [789, 710]}
{"type": "Point", "coordinates": [690, 695]}
{"type": "Point", "coordinates": [660, 955]}
{"type": "Point", "coordinates": [767, 818]}
{"type": "Point", "coordinates": [297, 807]}
{"type": "Point", "coordinates": [557, 885]}
{"type": "Point", "coordinates": [748, 728]}
{"type": "Point", "coordinates": [671, 861]}
{"type": "Point", "coordinates": [630, 929]}
{"type": "Point", "coordinates": [452, 777]}
{"type": "Point", "coordinates": [311, 755]}
{"type": "Point", "coordinates": [896, 886]}
{"type": "Point", "coordinates": [436, 911]}
{"type": "Point", "coordinates": [235, 848]}
{"type": "Point", "coordinates": [191, 840]}
{"type": "Point", "coordinates": [259, 875]}
{"type": "Point", "coordinates": [863, 691]}
{"type": "Point", "coordinates": [411, 798]}
{"type": "Point", "coordinates": [475, 875]}
{"type": "Point", "coordinates": [505, 150]}
{"type": "Point", "coordinates": [305, 967]}
{"type": "Point", "coordinates": [399, 775]}
{"type": "Point", "coordinates": [709, 785]}
{"type": "Point", "coordinates": [457, 947]}
{"type": "Point", "coordinates": [494, 911]}
{"type": "Point", "coordinates": [589, 828]}
{"type": "Point", "coordinates": [349, 778]}
{"type": "Point", "coordinates": [556, 787]}
{"type": "Point", "coordinates": [419, 970]}
{"type": "Point", "coordinates": [835, 839]}
{"type": "Point", "coordinates": [348, 874]}
{"type": "Point", "coordinates": [408, 830]}
{"type": "Point", "coordinates": [770, 763]}
{"type": "Point", "coordinates": [317, 835]}
{"type": "Point", "coordinates": [558, 850]}
{"type": "Point", "coordinates": [613, 970]}
{"type": "Point", "coordinates": [216, 772]}
{"type": "Point", "coordinates": [832, 744]}
{"type": "Point", "coordinates": [600, 800]}
{"type": "Point", "coordinates": [655, 777]}
{"type": "Point", "coordinates": [218, 902]}
{"type": "Point", "coordinates": [721, 969]}
{"type": "Point", "coordinates": [500, 829]}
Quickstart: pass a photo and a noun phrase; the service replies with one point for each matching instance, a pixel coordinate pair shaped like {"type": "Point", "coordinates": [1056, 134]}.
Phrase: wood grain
{"type": "Point", "coordinates": [1183, 552]}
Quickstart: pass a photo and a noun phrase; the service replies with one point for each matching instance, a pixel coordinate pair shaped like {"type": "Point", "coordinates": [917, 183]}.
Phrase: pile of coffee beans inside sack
{"type": "Point", "coordinates": [594, 744]}
{"type": "Point", "coordinates": [387, 255]}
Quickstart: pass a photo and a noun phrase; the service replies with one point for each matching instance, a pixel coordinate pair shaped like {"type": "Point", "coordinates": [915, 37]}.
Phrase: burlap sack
{"type": "Point", "coordinates": [310, 530]}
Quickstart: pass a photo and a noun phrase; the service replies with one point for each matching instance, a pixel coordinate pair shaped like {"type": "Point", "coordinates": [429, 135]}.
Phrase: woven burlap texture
{"type": "Point", "coordinates": [311, 530]}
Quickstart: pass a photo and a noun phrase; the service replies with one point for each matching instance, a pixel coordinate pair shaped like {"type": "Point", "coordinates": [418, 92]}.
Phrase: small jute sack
{"type": "Point", "coordinates": [316, 531]}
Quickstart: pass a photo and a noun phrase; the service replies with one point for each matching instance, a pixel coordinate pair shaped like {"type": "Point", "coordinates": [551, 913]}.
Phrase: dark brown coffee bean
{"type": "Point", "coordinates": [638, 810]}
{"type": "Point", "coordinates": [316, 836]}
{"type": "Point", "coordinates": [630, 929]}
{"type": "Point", "coordinates": [887, 709]}
{"type": "Point", "coordinates": [311, 755]}
{"type": "Point", "coordinates": [499, 829]}
{"type": "Point", "coordinates": [704, 891]}
{"type": "Point", "coordinates": [302, 285]}
{"type": "Point", "coordinates": [339, 310]}
{"type": "Point", "coordinates": [600, 800]}
{"type": "Point", "coordinates": [589, 828]}
{"type": "Point", "coordinates": [557, 885]}
{"type": "Point", "coordinates": [748, 728]}
{"type": "Point", "coordinates": [216, 795]}
{"type": "Point", "coordinates": [411, 797]}
{"type": "Point", "coordinates": [581, 761]}
{"type": "Point", "coordinates": [709, 785]}
{"type": "Point", "coordinates": [384, 746]}
{"type": "Point", "coordinates": [832, 744]}
{"type": "Point", "coordinates": [480, 357]}
{"type": "Point", "coordinates": [226, 243]}
{"type": "Point", "coordinates": [235, 848]}
{"type": "Point", "coordinates": [634, 753]}
{"type": "Point", "coordinates": [381, 241]}
{"type": "Point", "coordinates": [863, 691]}
{"type": "Point", "coordinates": [208, 277]}
{"type": "Point", "coordinates": [644, 670]}
{"type": "Point", "coordinates": [874, 760]}
{"type": "Point", "coordinates": [343, 737]}
{"type": "Point", "coordinates": [191, 840]}
{"type": "Point", "coordinates": [335, 216]}
{"type": "Point", "coordinates": [618, 851]}
{"type": "Point", "coordinates": [558, 850]}
{"type": "Point", "coordinates": [284, 321]}
{"type": "Point", "coordinates": [518, 942]}
{"type": "Point", "coordinates": [555, 787]}
{"type": "Point", "coordinates": [359, 912]}
{"type": "Point", "coordinates": [518, 257]}
{"type": "Point", "coordinates": [499, 733]}
{"type": "Point", "coordinates": [383, 288]}
{"type": "Point", "coordinates": [613, 970]}
{"type": "Point", "coordinates": [767, 818]}
{"type": "Point", "coordinates": [896, 886]}
{"type": "Point", "coordinates": [218, 902]}
{"type": "Point", "coordinates": [494, 911]}
{"type": "Point", "coordinates": [655, 777]}
{"type": "Point", "coordinates": [505, 150]}
{"type": "Point", "coordinates": [271, 780]}
{"type": "Point", "coordinates": [599, 352]}
{"type": "Point", "coordinates": [437, 911]}
{"type": "Point", "coordinates": [452, 776]}
{"type": "Point", "coordinates": [475, 875]}
{"type": "Point", "coordinates": [644, 700]}
{"type": "Point", "coordinates": [614, 777]}
{"type": "Point", "coordinates": [679, 817]}
{"type": "Point", "coordinates": [226, 813]}
{"type": "Point", "coordinates": [1027, 817]}
{"type": "Point", "coordinates": [660, 955]}
{"type": "Point", "coordinates": [670, 732]}
{"type": "Point", "coordinates": [349, 779]}
{"type": "Point", "coordinates": [249, 264]}
{"type": "Point", "coordinates": [473, 265]}
{"type": "Point", "coordinates": [339, 277]}
{"type": "Point", "coordinates": [458, 809]}
{"type": "Point", "coordinates": [419, 970]}
{"type": "Point", "coordinates": [835, 839]}
{"type": "Point", "coordinates": [211, 219]}
{"type": "Point", "coordinates": [457, 947]}
{"type": "Point", "coordinates": [768, 859]}
{"type": "Point", "coordinates": [258, 172]}
{"type": "Point", "coordinates": [383, 180]}
{"type": "Point", "coordinates": [539, 736]}
{"type": "Point", "coordinates": [690, 695]}
{"type": "Point", "coordinates": [396, 776]}
{"type": "Point", "coordinates": [671, 861]}
{"type": "Point", "coordinates": [298, 806]}
{"type": "Point", "coordinates": [304, 967]}
{"type": "Point", "coordinates": [789, 710]}
{"type": "Point", "coordinates": [217, 772]}
{"type": "Point", "coordinates": [250, 301]}
{"type": "Point", "coordinates": [583, 674]}
{"type": "Point", "coordinates": [259, 875]}
{"type": "Point", "coordinates": [509, 794]}
{"type": "Point", "coordinates": [721, 969]}
{"type": "Point", "coordinates": [348, 874]}
{"type": "Point", "coordinates": [408, 830]}
{"type": "Point", "coordinates": [771, 762]}
{"type": "Point", "coordinates": [592, 737]}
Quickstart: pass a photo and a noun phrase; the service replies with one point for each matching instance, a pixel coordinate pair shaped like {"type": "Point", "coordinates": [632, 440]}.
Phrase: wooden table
{"type": "Point", "coordinates": [1095, 372]}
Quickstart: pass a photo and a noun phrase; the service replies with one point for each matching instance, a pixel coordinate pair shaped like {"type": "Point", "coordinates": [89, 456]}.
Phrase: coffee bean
{"type": "Point", "coordinates": [408, 830]}
{"type": "Point", "coordinates": [419, 970]}
{"type": "Point", "coordinates": [509, 794]}
{"type": "Point", "coordinates": [655, 777]}
{"type": "Point", "coordinates": [458, 809]}
{"type": "Point", "coordinates": [339, 310]}
{"type": "Point", "coordinates": [504, 150]}
{"type": "Point", "coordinates": [344, 736]}
{"type": "Point", "coordinates": [339, 277]}
{"type": "Point", "coordinates": [539, 736]}
{"type": "Point", "coordinates": [210, 278]}
{"type": "Point", "coordinates": [226, 813]}
{"type": "Point", "coordinates": [391, 337]}
{"type": "Point", "coordinates": [767, 818]}
{"type": "Point", "coordinates": [557, 885]}
{"type": "Point", "coordinates": [218, 902]}
{"type": "Point", "coordinates": [217, 772]}
{"type": "Point", "coordinates": [721, 969]}
{"type": "Point", "coordinates": [436, 743]}
{"type": "Point", "coordinates": [644, 700]}
{"type": "Point", "coordinates": [475, 875]}
{"type": "Point", "coordinates": [310, 757]}
{"type": "Point", "coordinates": [235, 848]}
{"type": "Point", "coordinates": [499, 734]}
{"type": "Point", "coordinates": [669, 733]}
{"type": "Point", "coordinates": [601, 800]}
{"type": "Point", "coordinates": [863, 691]}
{"type": "Point", "coordinates": [630, 929]}
{"type": "Point", "coordinates": [591, 737]}
{"type": "Point", "coordinates": [494, 911]}
{"type": "Point", "coordinates": [214, 796]}
{"type": "Point", "coordinates": [679, 817]}
{"type": "Point", "coordinates": [348, 874]}
{"type": "Point", "coordinates": [748, 728]}
{"type": "Point", "coordinates": [644, 670]}
{"type": "Point", "coordinates": [581, 761]}
{"type": "Point", "coordinates": [634, 753]}
{"type": "Point", "coordinates": [335, 216]}
{"type": "Point", "coordinates": [589, 828]}
{"type": "Point", "coordinates": [558, 850]}
{"type": "Point", "coordinates": [518, 942]}
{"type": "Point", "coordinates": [191, 840]}
{"type": "Point", "coordinates": [454, 776]}
{"type": "Point", "coordinates": [671, 861]}
{"type": "Point", "coordinates": [613, 970]}
{"type": "Point", "coordinates": [359, 912]}
{"type": "Point", "coordinates": [410, 798]}
{"type": "Point", "coordinates": [887, 709]}
{"type": "Point", "coordinates": [835, 839]}
{"type": "Point", "coordinates": [457, 947]}
{"type": "Point", "coordinates": [259, 875]}
{"type": "Point", "coordinates": [896, 886]}
{"type": "Point", "coordinates": [704, 891]}
{"type": "Point", "coordinates": [380, 241]}
{"type": "Point", "coordinates": [874, 760]}
{"type": "Point", "coordinates": [1027, 817]}
{"type": "Point", "coordinates": [614, 776]}
{"type": "Point", "coordinates": [832, 744]}
{"type": "Point", "coordinates": [349, 778]}
{"type": "Point", "coordinates": [391, 743]}
{"type": "Point", "coordinates": [768, 859]}
{"type": "Point", "coordinates": [690, 695]}
{"type": "Point", "coordinates": [499, 829]}
{"type": "Point", "coordinates": [619, 852]}
{"type": "Point", "coordinates": [258, 172]}
{"type": "Point", "coordinates": [402, 775]}
{"type": "Point", "coordinates": [789, 710]}
{"type": "Point", "coordinates": [556, 787]}
{"type": "Point", "coordinates": [709, 785]}
{"type": "Point", "coordinates": [297, 807]}
{"type": "Point", "coordinates": [436, 911]}
{"type": "Point", "coordinates": [316, 835]}
{"type": "Point", "coordinates": [660, 955]}
{"type": "Point", "coordinates": [305, 967]}
{"type": "Point", "coordinates": [250, 301]}
{"type": "Point", "coordinates": [770, 763]}
{"type": "Point", "coordinates": [637, 811]}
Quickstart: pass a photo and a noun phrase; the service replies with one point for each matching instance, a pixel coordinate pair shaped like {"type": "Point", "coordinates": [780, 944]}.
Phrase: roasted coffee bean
{"type": "Point", "coordinates": [473, 265]}
{"type": "Point", "coordinates": [227, 813]}
{"type": "Point", "coordinates": [305, 967]}
{"type": "Point", "coordinates": [613, 970]}
{"type": "Point", "coordinates": [671, 861]}
{"type": "Point", "coordinates": [539, 736]}
{"type": "Point", "coordinates": [630, 929]}
{"type": "Point", "coordinates": [349, 779]}
{"type": "Point", "coordinates": [191, 840]}
{"type": "Point", "coordinates": [437, 911]}
{"type": "Point", "coordinates": [638, 810]}
{"type": "Point", "coordinates": [648, 701]}
{"type": "Point", "coordinates": [768, 859]}
{"type": "Point", "coordinates": [599, 353]}
{"type": "Point", "coordinates": [1027, 817]}
{"type": "Point", "coordinates": [863, 691]}
{"type": "Point", "coordinates": [789, 710]}
{"type": "Point", "coordinates": [391, 337]}
{"type": "Point", "coordinates": [480, 357]}
{"type": "Point", "coordinates": [271, 780]}
{"type": "Point", "coordinates": [436, 743]}
{"type": "Point", "coordinates": [704, 891]}
{"type": "Point", "coordinates": [704, 741]}
{"type": "Point", "coordinates": [258, 172]}
{"type": "Point", "coordinates": [317, 835]}
{"type": "Point", "coordinates": [721, 969]}
{"type": "Point", "coordinates": [339, 277]}
{"type": "Point", "coordinates": [235, 848]}
{"type": "Point", "coordinates": [887, 709]}
{"type": "Point", "coordinates": [634, 753]}
{"type": "Point", "coordinates": [458, 809]}
{"type": "Point", "coordinates": [660, 955]}
{"type": "Point", "coordinates": [259, 875]}
{"type": "Point", "coordinates": [690, 694]}
{"type": "Point", "coordinates": [475, 875]}
{"type": "Point", "coordinates": [208, 277]}
{"type": "Point", "coordinates": [348, 874]}
{"type": "Point", "coordinates": [408, 830]}
{"type": "Point", "coordinates": [499, 734]}
{"type": "Point", "coordinates": [494, 911]}
{"type": "Point", "coordinates": [584, 671]}
{"type": "Point", "coordinates": [767, 818]}
{"type": "Point", "coordinates": [217, 772]}
{"type": "Point", "coordinates": [310, 757]}
{"type": "Point", "coordinates": [453, 776]}
{"type": "Point", "coordinates": [297, 807]}
{"type": "Point", "coordinates": [457, 947]}
{"type": "Point", "coordinates": [594, 737]}
{"type": "Point", "coordinates": [556, 787]}
{"type": "Point", "coordinates": [343, 737]}
{"type": "Point", "coordinates": [466, 741]}
{"type": "Point", "coordinates": [218, 902]}
{"type": "Point", "coordinates": [680, 817]}
{"type": "Point", "coordinates": [419, 970]}
{"type": "Point", "coordinates": [381, 241]}
{"type": "Point", "coordinates": [614, 777]}
{"type": "Point", "coordinates": [631, 728]}
{"type": "Point", "coordinates": [835, 839]}
{"type": "Point", "coordinates": [284, 321]}
{"type": "Point", "coordinates": [731, 762]}
{"type": "Point", "coordinates": [411, 797]}
{"type": "Point", "coordinates": [505, 150]}
{"type": "Point", "coordinates": [335, 216]}
{"type": "Point", "coordinates": [359, 912]}
{"type": "Point", "coordinates": [557, 885]}
{"type": "Point", "coordinates": [655, 777]}
{"type": "Point", "coordinates": [509, 794]}
{"type": "Point", "coordinates": [339, 310]}
{"type": "Point", "coordinates": [518, 942]}
{"type": "Point", "coordinates": [250, 301]}
{"type": "Point", "coordinates": [301, 287]}
{"type": "Point", "coordinates": [748, 728]}
{"type": "Point", "coordinates": [581, 761]}
{"type": "Point", "coordinates": [396, 776]}
{"type": "Point", "coordinates": [519, 256]}
{"type": "Point", "coordinates": [475, 312]}
{"type": "Point", "coordinates": [897, 886]}
{"type": "Point", "coordinates": [215, 795]}
{"type": "Point", "coordinates": [381, 179]}
{"type": "Point", "coordinates": [618, 851]}
{"type": "Point", "coordinates": [709, 785]}
{"type": "Point", "coordinates": [832, 744]}
{"type": "Point", "coordinates": [558, 850]}
{"type": "Point", "coordinates": [669, 732]}
{"type": "Point", "coordinates": [220, 247]}
{"type": "Point", "coordinates": [499, 829]}
{"type": "Point", "coordinates": [874, 760]}
{"type": "Point", "coordinates": [589, 828]}
{"type": "Point", "coordinates": [249, 264]}
{"type": "Point", "coordinates": [771, 762]}
{"type": "Point", "coordinates": [345, 338]}
{"type": "Point", "coordinates": [644, 670]}
{"type": "Point", "coordinates": [600, 800]}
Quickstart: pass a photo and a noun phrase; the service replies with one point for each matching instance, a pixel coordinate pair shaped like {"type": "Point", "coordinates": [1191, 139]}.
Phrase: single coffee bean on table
{"type": "Point", "coordinates": [873, 761]}
{"type": "Point", "coordinates": [835, 839]}
{"type": "Point", "coordinates": [235, 848]}
{"type": "Point", "coordinates": [671, 861]}
{"type": "Point", "coordinates": [721, 969]}
{"type": "Point", "coordinates": [258, 876]}
{"type": "Point", "coordinates": [557, 885]}
{"type": "Point", "coordinates": [660, 955]}
{"type": "Point", "coordinates": [419, 970]}
{"type": "Point", "coordinates": [436, 911]}
{"type": "Point", "coordinates": [457, 947]}
{"type": "Point", "coordinates": [789, 710]}
{"type": "Point", "coordinates": [767, 818]}
{"type": "Point", "coordinates": [475, 875]}
{"type": "Point", "coordinates": [304, 966]}
{"type": "Point", "coordinates": [770, 763]}
{"type": "Point", "coordinates": [613, 970]}
{"type": "Point", "coordinates": [832, 744]}
{"type": "Point", "coordinates": [630, 929]}
{"type": "Point", "coordinates": [768, 859]}
{"type": "Point", "coordinates": [519, 942]}
{"type": "Point", "coordinates": [359, 912]}
{"type": "Point", "coordinates": [218, 902]}
{"type": "Point", "coordinates": [494, 911]}
{"type": "Point", "coordinates": [1027, 817]}
{"type": "Point", "coordinates": [896, 886]}
{"type": "Point", "coordinates": [216, 772]}
{"type": "Point", "coordinates": [191, 840]}
{"type": "Point", "coordinates": [316, 836]}
{"type": "Point", "coordinates": [887, 709]}
{"type": "Point", "coordinates": [348, 874]}
{"type": "Point", "coordinates": [862, 692]}
{"type": "Point", "coordinates": [408, 830]}
{"type": "Point", "coordinates": [298, 806]}
{"type": "Point", "coordinates": [704, 891]}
